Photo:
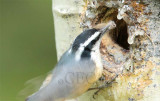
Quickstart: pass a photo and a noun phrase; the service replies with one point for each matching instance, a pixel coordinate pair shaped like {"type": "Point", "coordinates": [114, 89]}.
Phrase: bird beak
{"type": "Point", "coordinates": [110, 25]}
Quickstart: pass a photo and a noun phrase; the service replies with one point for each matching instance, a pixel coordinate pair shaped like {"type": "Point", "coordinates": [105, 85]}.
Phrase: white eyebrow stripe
{"type": "Point", "coordinates": [82, 46]}
{"type": "Point", "coordinates": [90, 39]}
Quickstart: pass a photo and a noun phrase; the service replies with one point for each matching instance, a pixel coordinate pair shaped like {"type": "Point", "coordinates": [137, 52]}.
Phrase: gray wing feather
{"type": "Point", "coordinates": [67, 80]}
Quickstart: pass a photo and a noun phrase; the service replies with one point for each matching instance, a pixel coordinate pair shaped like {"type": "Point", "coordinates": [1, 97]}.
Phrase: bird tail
{"type": "Point", "coordinates": [36, 97]}
{"type": "Point", "coordinates": [41, 95]}
{"type": "Point", "coordinates": [33, 97]}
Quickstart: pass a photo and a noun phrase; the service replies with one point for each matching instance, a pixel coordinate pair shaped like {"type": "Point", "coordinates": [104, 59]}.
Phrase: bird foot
{"type": "Point", "coordinates": [107, 84]}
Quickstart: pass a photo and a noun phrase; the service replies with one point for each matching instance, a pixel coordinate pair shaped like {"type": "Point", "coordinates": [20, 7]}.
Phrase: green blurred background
{"type": "Point", "coordinates": [27, 45]}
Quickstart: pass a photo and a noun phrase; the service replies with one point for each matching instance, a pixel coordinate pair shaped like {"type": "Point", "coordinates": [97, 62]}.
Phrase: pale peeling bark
{"type": "Point", "coordinates": [138, 68]}
{"type": "Point", "coordinates": [67, 22]}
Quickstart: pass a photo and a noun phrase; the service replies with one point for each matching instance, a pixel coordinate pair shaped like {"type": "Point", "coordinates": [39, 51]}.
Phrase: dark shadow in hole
{"type": "Point", "coordinates": [120, 35]}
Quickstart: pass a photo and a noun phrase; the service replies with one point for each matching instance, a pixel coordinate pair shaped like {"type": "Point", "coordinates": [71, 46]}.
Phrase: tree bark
{"type": "Point", "coordinates": [131, 51]}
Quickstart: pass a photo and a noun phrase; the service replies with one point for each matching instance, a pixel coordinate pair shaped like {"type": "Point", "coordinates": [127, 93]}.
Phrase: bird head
{"type": "Point", "coordinates": [89, 40]}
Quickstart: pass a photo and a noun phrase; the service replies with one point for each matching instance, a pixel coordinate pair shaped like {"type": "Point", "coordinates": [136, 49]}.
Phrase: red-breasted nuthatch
{"type": "Point", "coordinates": [78, 68]}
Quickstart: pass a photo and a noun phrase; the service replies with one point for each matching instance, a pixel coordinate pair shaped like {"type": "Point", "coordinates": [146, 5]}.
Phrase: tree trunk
{"type": "Point", "coordinates": [131, 50]}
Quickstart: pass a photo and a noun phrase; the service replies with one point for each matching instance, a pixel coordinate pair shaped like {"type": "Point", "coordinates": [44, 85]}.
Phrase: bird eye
{"type": "Point", "coordinates": [87, 49]}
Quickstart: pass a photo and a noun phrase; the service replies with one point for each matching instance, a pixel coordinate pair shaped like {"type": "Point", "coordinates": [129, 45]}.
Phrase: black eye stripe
{"type": "Point", "coordinates": [85, 35]}
{"type": "Point", "coordinates": [87, 50]}
{"type": "Point", "coordinates": [86, 54]}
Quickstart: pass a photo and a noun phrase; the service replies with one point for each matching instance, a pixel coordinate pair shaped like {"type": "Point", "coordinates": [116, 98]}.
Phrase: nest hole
{"type": "Point", "coordinates": [120, 35]}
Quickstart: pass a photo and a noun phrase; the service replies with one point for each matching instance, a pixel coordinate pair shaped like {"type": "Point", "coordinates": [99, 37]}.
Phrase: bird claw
{"type": "Point", "coordinates": [107, 84]}
{"type": "Point", "coordinates": [96, 93]}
